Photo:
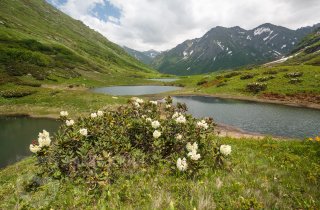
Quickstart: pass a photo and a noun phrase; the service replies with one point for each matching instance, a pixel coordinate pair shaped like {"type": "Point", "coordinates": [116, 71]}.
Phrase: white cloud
{"type": "Point", "coordinates": [162, 24]}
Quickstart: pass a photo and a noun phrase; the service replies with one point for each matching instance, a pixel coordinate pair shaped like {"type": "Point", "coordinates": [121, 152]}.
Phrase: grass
{"type": "Point", "coordinates": [234, 85]}
{"type": "Point", "coordinates": [264, 173]}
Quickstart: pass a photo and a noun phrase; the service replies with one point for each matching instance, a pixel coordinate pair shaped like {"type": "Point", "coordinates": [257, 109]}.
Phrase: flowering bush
{"type": "Point", "coordinates": [293, 74]}
{"type": "Point", "coordinates": [103, 145]}
{"type": "Point", "coordinates": [256, 87]}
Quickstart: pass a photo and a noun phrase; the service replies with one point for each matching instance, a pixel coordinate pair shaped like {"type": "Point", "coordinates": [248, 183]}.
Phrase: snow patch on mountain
{"type": "Point", "coordinates": [283, 46]}
{"type": "Point", "coordinates": [261, 30]}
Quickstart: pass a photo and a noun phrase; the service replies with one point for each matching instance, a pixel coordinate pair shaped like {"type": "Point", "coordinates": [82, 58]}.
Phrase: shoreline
{"type": "Point", "coordinates": [252, 99]}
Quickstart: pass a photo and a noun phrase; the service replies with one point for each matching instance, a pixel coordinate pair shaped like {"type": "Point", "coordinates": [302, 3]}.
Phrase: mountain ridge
{"type": "Point", "coordinates": [226, 48]}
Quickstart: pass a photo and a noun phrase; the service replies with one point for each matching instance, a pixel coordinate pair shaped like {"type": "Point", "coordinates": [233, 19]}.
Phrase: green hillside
{"type": "Point", "coordinates": [37, 39]}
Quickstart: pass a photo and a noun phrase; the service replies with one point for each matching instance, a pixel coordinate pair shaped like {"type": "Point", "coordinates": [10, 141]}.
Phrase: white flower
{"type": "Point", "coordinates": [44, 139]}
{"type": "Point", "coordinates": [34, 148]}
{"type": "Point", "coordinates": [148, 119]}
{"type": "Point", "coordinates": [193, 155]}
{"type": "Point", "coordinates": [176, 114]}
{"type": "Point", "coordinates": [139, 100]}
{"type": "Point", "coordinates": [155, 124]}
{"type": "Point", "coordinates": [64, 113]}
{"type": "Point", "coordinates": [178, 136]}
{"type": "Point", "coordinates": [192, 147]}
{"type": "Point", "coordinates": [69, 122]}
{"type": "Point", "coordinates": [182, 164]}
{"type": "Point", "coordinates": [83, 131]}
{"type": "Point", "coordinates": [202, 124]}
{"type": "Point", "coordinates": [114, 97]}
{"type": "Point", "coordinates": [156, 134]}
{"type": "Point", "coordinates": [168, 106]}
{"type": "Point", "coordinates": [181, 119]}
{"type": "Point", "coordinates": [143, 116]}
{"type": "Point", "coordinates": [154, 102]}
{"type": "Point", "coordinates": [225, 149]}
{"type": "Point", "coordinates": [93, 115]}
{"type": "Point", "coordinates": [99, 113]}
{"type": "Point", "coordinates": [136, 104]}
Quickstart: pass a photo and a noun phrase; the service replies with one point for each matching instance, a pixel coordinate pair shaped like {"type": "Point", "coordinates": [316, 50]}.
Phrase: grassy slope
{"type": "Point", "coordinates": [236, 86]}
{"type": "Point", "coordinates": [41, 45]}
{"type": "Point", "coordinates": [264, 174]}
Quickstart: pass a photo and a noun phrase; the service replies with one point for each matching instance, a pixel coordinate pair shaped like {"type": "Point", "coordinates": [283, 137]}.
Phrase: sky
{"type": "Point", "coordinates": [163, 24]}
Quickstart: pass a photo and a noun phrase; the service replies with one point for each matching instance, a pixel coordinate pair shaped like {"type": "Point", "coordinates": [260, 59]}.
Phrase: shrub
{"type": "Point", "coordinates": [264, 79]}
{"type": "Point", "coordinates": [16, 93]}
{"type": "Point", "coordinates": [30, 84]}
{"type": "Point", "coordinates": [247, 76]}
{"type": "Point", "coordinates": [256, 87]}
{"type": "Point", "coordinates": [232, 74]}
{"type": "Point", "coordinates": [293, 74]}
{"type": "Point", "coordinates": [295, 81]}
{"type": "Point", "coordinates": [222, 84]}
{"type": "Point", "coordinates": [270, 72]}
{"type": "Point", "coordinates": [202, 82]}
{"type": "Point", "coordinates": [98, 148]}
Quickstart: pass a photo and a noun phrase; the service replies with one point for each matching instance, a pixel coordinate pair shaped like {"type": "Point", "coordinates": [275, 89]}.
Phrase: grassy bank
{"type": "Point", "coordinates": [298, 84]}
{"type": "Point", "coordinates": [263, 174]}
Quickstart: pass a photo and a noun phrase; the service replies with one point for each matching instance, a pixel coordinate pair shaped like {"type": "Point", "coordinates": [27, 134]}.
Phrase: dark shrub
{"type": "Point", "coordinates": [202, 82]}
{"type": "Point", "coordinates": [270, 72]}
{"type": "Point", "coordinates": [247, 76]}
{"type": "Point", "coordinates": [295, 81]}
{"type": "Point", "coordinates": [232, 74]}
{"type": "Point", "coordinates": [264, 79]}
{"type": "Point", "coordinates": [222, 84]}
{"type": "Point", "coordinates": [16, 93]}
{"type": "Point", "coordinates": [293, 74]}
{"type": "Point", "coordinates": [30, 84]}
{"type": "Point", "coordinates": [256, 87]}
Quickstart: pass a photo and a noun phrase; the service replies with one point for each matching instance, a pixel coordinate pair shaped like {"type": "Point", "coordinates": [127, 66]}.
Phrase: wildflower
{"type": "Point", "coordinates": [83, 131]}
{"type": "Point", "coordinates": [202, 124]}
{"type": "Point", "coordinates": [69, 122]}
{"type": "Point", "coordinates": [148, 119]}
{"type": "Point", "coordinates": [193, 155]}
{"type": "Point", "coordinates": [192, 147]}
{"type": "Point", "coordinates": [139, 100]}
{"type": "Point", "coordinates": [154, 102]}
{"type": "Point", "coordinates": [136, 104]}
{"type": "Point", "coordinates": [156, 134]}
{"type": "Point", "coordinates": [182, 164]}
{"type": "Point", "coordinates": [317, 138]}
{"type": "Point", "coordinates": [176, 114]}
{"type": "Point", "coordinates": [143, 116]}
{"type": "Point", "coordinates": [114, 97]}
{"type": "Point", "coordinates": [168, 106]}
{"type": "Point", "coordinates": [181, 119]}
{"type": "Point", "coordinates": [100, 113]}
{"type": "Point", "coordinates": [178, 136]}
{"type": "Point", "coordinates": [225, 149]}
{"type": "Point", "coordinates": [93, 115]}
{"type": "Point", "coordinates": [310, 139]}
{"type": "Point", "coordinates": [155, 124]}
{"type": "Point", "coordinates": [64, 113]}
{"type": "Point", "coordinates": [34, 148]}
{"type": "Point", "coordinates": [44, 139]}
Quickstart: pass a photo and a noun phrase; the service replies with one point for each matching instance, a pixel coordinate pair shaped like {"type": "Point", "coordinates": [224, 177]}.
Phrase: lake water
{"type": "Point", "coordinates": [135, 90]}
{"type": "Point", "coordinates": [273, 119]}
{"type": "Point", "coordinates": [16, 134]}
{"type": "Point", "coordinates": [165, 79]}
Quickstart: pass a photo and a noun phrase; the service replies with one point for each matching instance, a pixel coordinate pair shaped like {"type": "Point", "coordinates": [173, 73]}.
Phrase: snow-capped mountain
{"type": "Point", "coordinates": [224, 48]}
{"type": "Point", "coordinates": [145, 57]}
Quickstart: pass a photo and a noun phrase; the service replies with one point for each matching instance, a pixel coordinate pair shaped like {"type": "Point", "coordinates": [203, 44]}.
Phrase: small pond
{"type": "Point", "coordinates": [16, 134]}
{"type": "Point", "coordinates": [264, 118]}
{"type": "Point", "coordinates": [135, 90]}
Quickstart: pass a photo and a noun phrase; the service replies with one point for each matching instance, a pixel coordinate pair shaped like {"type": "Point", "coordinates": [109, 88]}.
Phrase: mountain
{"type": "Point", "coordinates": [145, 56]}
{"type": "Point", "coordinates": [38, 39]}
{"type": "Point", "coordinates": [225, 48]}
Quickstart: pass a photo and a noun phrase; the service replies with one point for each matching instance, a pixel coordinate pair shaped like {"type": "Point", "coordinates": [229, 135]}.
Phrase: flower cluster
{"type": "Point", "coordinates": [132, 136]}
{"type": "Point", "coordinates": [44, 140]}
{"type": "Point", "coordinates": [317, 139]}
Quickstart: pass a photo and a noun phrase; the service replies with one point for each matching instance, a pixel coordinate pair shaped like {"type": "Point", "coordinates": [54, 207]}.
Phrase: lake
{"type": "Point", "coordinates": [264, 118]}
{"type": "Point", "coordinates": [17, 133]}
{"type": "Point", "coordinates": [135, 90]}
{"type": "Point", "coordinates": [165, 79]}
